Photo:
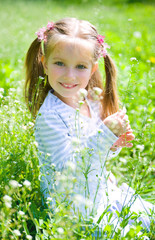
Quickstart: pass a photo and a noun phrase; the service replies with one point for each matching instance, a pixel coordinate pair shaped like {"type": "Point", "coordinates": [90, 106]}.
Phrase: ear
{"type": "Point", "coordinates": [44, 63]}
{"type": "Point", "coordinates": [94, 68]}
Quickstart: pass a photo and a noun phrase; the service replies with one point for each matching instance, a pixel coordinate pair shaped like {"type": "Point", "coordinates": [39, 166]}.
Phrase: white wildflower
{"type": "Point", "coordinates": [31, 124]}
{"type": "Point", "coordinates": [137, 34]}
{"type": "Point", "coordinates": [133, 59]}
{"type": "Point", "coordinates": [82, 93]}
{"type": "Point", "coordinates": [123, 160]}
{"type": "Point", "coordinates": [140, 147]}
{"type": "Point", "coordinates": [16, 232]}
{"type": "Point", "coordinates": [75, 141]}
{"type": "Point", "coordinates": [88, 202]}
{"type": "Point", "coordinates": [81, 102]}
{"type": "Point", "coordinates": [29, 237]}
{"type": "Point", "coordinates": [36, 143]}
{"type": "Point", "coordinates": [26, 183]}
{"type": "Point", "coordinates": [24, 127]}
{"type": "Point", "coordinates": [8, 204]}
{"type": "Point", "coordinates": [7, 198]}
{"type": "Point", "coordinates": [97, 90]}
{"type": "Point", "coordinates": [14, 183]}
{"type": "Point", "coordinates": [52, 165]}
{"type": "Point", "coordinates": [48, 154]}
{"type": "Point", "coordinates": [2, 90]}
{"type": "Point", "coordinates": [130, 19]}
{"type": "Point", "coordinates": [21, 213]}
{"type": "Point", "coordinates": [71, 165]}
{"type": "Point", "coordinates": [60, 230]}
{"type": "Point", "coordinates": [80, 200]}
{"type": "Point", "coordinates": [49, 199]}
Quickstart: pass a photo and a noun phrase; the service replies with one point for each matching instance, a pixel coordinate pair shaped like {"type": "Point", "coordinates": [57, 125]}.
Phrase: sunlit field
{"type": "Point", "coordinates": [129, 30]}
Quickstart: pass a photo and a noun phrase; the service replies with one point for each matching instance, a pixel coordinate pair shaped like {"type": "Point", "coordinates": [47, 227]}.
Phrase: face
{"type": "Point", "coordinates": [69, 68]}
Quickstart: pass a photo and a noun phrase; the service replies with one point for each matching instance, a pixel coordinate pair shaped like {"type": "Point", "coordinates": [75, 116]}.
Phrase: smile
{"type": "Point", "coordinates": [68, 85]}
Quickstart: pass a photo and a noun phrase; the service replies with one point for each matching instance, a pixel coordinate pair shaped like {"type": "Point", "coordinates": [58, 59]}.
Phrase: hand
{"type": "Point", "coordinates": [123, 141]}
{"type": "Point", "coordinates": [118, 123]}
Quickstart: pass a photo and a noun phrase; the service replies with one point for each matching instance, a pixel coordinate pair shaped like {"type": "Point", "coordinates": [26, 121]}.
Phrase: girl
{"type": "Point", "coordinates": [78, 123]}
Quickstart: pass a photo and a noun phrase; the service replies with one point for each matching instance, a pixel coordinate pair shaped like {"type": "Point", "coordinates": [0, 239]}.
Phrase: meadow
{"type": "Point", "coordinates": [129, 30]}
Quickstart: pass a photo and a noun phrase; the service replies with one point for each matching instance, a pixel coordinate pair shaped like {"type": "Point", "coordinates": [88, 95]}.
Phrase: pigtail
{"type": "Point", "coordinates": [36, 86]}
{"type": "Point", "coordinates": [110, 98]}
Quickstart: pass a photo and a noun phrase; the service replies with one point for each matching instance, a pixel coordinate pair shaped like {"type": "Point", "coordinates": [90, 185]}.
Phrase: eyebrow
{"type": "Point", "coordinates": [80, 62]}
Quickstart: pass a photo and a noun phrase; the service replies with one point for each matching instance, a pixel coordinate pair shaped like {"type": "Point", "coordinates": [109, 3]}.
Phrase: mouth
{"type": "Point", "coordinates": [68, 86]}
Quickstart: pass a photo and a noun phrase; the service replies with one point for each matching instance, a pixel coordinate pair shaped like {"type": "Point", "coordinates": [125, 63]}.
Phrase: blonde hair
{"type": "Point", "coordinates": [37, 85]}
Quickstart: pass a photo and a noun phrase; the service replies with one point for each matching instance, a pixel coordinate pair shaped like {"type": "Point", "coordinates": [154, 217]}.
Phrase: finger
{"type": "Point", "coordinates": [128, 137]}
{"type": "Point", "coordinates": [129, 145]}
{"type": "Point", "coordinates": [121, 114]}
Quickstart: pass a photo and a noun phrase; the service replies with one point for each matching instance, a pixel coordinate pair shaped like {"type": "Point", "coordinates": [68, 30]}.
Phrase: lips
{"type": "Point", "coordinates": [68, 86]}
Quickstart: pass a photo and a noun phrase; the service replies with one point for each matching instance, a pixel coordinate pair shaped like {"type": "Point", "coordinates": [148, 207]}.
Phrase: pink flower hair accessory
{"type": "Point", "coordinates": [42, 33]}
{"type": "Point", "coordinates": [103, 45]}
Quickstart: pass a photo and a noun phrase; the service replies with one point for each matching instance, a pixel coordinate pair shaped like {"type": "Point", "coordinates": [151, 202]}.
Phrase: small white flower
{"type": "Point", "coordinates": [81, 102]}
{"type": "Point", "coordinates": [137, 34]}
{"type": "Point", "coordinates": [60, 230]}
{"type": "Point", "coordinates": [2, 90]}
{"type": "Point", "coordinates": [53, 165]}
{"type": "Point", "coordinates": [21, 213]}
{"type": "Point", "coordinates": [78, 199]}
{"type": "Point", "coordinates": [130, 19]}
{"type": "Point", "coordinates": [97, 90]}
{"type": "Point", "coordinates": [49, 199]}
{"type": "Point", "coordinates": [75, 141]}
{"type": "Point", "coordinates": [140, 147]}
{"type": "Point", "coordinates": [24, 127]}
{"type": "Point", "coordinates": [123, 160]}
{"type": "Point", "coordinates": [36, 143]}
{"type": "Point", "coordinates": [82, 93]}
{"type": "Point", "coordinates": [16, 232]}
{"type": "Point", "coordinates": [48, 154]}
{"type": "Point", "coordinates": [71, 165]}
{"type": "Point", "coordinates": [7, 198]}
{"type": "Point", "coordinates": [26, 183]}
{"type": "Point", "coordinates": [8, 204]}
{"type": "Point", "coordinates": [29, 237]}
{"type": "Point", "coordinates": [133, 59]}
{"type": "Point", "coordinates": [31, 124]}
{"type": "Point", "coordinates": [14, 183]}
{"type": "Point", "coordinates": [88, 203]}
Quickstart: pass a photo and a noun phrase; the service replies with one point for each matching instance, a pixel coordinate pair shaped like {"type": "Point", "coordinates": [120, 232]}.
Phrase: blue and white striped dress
{"type": "Point", "coordinates": [65, 136]}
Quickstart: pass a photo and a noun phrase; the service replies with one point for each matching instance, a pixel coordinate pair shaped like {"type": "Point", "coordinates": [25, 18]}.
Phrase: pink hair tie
{"type": "Point", "coordinates": [103, 45]}
{"type": "Point", "coordinates": [41, 34]}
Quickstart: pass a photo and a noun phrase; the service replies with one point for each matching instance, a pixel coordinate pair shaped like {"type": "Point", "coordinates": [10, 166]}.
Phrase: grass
{"type": "Point", "coordinates": [129, 30]}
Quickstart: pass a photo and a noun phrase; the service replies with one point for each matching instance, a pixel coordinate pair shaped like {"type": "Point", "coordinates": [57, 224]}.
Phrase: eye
{"type": "Point", "coordinates": [81, 66]}
{"type": "Point", "coordinates": [59, 63]}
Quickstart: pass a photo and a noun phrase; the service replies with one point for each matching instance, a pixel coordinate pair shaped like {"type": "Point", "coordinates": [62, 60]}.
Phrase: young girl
{"type": "Point", "coordinates": [78, 121]}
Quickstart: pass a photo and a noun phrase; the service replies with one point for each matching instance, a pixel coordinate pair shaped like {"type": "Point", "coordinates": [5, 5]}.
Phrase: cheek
{"type": "Point", "coordinates": [85, 74]}
{"type": "Point", "coordinates": [54, 72]}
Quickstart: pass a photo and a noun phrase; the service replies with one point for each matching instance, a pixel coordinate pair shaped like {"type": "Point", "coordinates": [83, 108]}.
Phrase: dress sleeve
{"type": "Point", "coordinates": [53, 138]}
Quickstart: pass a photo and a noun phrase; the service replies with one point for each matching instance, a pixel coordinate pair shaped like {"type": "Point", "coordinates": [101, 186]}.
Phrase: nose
{"type": "Point", "coordinates": [70, 74]}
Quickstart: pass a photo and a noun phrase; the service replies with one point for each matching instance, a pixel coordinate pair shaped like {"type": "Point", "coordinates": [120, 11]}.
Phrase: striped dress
{"type": "Point", "coordinates": [72, 146]}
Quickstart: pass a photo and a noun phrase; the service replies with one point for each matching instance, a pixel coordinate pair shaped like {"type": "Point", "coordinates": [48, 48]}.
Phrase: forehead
{"type": "Point", "coordinates": [75, 48]}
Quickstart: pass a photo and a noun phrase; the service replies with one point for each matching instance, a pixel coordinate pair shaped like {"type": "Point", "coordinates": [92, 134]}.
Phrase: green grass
{"type": "Point", "coordinates": [129, 30]}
